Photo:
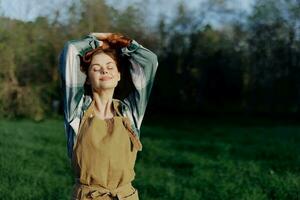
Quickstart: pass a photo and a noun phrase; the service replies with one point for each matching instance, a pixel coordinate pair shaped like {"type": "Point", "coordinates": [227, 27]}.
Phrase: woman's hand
{"type": "Point", "coordinates": [113, 39]}
{"type": "Point", "coordinates": [101, 36]}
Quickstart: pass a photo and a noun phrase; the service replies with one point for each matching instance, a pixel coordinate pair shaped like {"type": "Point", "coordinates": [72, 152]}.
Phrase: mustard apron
{"type": "Point", "coordinates": [104, 156]}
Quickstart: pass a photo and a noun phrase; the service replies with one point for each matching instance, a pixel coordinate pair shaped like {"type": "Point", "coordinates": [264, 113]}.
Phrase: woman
{"type": "Point", "coordinates": [103, 132]}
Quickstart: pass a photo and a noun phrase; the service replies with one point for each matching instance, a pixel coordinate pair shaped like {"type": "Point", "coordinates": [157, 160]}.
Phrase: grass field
{"type": "Point", "coordinates": [188, 160]}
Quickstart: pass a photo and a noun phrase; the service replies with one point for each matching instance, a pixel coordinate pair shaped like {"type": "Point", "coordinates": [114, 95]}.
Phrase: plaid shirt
{"type": "Point", "coordinates": [142, 69]}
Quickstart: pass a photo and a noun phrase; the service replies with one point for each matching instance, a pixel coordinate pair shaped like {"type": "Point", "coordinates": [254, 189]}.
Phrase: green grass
{"type": "Point", "coordinates": [186, 160]}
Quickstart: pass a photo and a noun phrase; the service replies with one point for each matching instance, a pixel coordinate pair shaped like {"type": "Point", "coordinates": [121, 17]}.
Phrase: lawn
{"type": "Point", "coordinates": [182, 160]}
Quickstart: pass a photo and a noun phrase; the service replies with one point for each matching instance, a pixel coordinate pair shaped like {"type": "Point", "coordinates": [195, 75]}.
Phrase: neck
{"type": "Point", "coordinates": [103, 103]}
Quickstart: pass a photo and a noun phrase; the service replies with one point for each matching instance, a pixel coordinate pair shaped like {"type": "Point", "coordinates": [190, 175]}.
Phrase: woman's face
{"type": "Point", "coordinates": [103, 72]}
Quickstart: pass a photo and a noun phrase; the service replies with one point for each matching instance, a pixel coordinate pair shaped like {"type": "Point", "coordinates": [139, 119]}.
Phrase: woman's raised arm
{"type": "Point", "coordinates": [143, 68]}
{"type": "Point", "coordinates": [72, 83]}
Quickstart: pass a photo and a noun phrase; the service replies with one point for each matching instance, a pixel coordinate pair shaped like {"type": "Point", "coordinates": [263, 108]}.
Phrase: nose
{"type": "Point", "coordinates": [103, 70]}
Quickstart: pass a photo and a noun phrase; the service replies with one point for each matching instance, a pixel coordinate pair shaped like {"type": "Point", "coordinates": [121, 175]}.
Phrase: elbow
{"type": "Point", "coordinates": [153, 59]}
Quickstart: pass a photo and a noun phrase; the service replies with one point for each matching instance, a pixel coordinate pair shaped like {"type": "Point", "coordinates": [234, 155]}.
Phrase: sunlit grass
{"type": "Point", "coordinates": [187, 160]}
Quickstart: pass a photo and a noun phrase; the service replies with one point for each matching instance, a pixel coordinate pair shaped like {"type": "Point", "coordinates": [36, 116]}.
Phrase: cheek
{"type": "Point", "coordinates": [93, 76]}
{"type": "Point", "coordinates": [116, 74]}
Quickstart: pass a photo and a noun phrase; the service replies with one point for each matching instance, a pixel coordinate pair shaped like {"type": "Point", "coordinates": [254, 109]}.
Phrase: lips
{"type": "Point", "coordinates": [105, 78]}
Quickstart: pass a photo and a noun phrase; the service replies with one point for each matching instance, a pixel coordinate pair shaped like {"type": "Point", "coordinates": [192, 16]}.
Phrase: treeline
{"type": "Point", "coordinates": [250, 66]}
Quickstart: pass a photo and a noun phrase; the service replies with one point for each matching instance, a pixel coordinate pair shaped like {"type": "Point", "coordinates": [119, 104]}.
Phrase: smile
{"type": "Point", "coordinates": [105, 78]}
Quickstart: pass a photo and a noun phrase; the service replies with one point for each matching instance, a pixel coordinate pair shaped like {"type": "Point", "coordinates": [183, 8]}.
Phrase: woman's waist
{"type": "Point", "coordinates": [96, 191]}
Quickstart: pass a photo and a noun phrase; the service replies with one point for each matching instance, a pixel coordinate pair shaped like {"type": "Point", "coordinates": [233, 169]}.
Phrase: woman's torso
{"type": "Point", "coordinates": [105, 151]}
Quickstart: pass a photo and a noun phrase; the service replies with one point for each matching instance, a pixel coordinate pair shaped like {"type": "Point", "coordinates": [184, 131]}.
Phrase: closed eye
{"type": "Point", "coordinates": [96, 68]}
{"type": "Point", "coordinates": [109, 65]}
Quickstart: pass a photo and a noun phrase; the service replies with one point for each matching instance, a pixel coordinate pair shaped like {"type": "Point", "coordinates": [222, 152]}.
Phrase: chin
{"type": "Point", "coordinates": [108, 86]}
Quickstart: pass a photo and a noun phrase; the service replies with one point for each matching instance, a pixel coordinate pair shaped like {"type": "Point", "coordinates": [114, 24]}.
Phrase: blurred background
{"type": "Point", "coordinates": [223, 117]}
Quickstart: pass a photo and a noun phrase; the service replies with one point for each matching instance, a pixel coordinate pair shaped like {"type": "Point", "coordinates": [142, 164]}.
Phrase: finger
{"type": "Point", "coordinates": [101, 36]}
{"type": "Point", "coordinates": [105, 46]}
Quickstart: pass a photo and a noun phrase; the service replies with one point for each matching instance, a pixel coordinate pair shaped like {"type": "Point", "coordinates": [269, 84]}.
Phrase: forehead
{"type": "Point", "coordinates": [102, 58]}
